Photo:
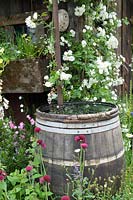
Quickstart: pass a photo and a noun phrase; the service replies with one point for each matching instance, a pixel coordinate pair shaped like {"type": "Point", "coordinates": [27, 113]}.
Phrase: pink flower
{"type": "Point", "coordinates": [77, 138]}
{"type": "Point", "coordinates": [45, 178]}
{"type": "Point", "coordinates": [29, 168]}
{"type": "Point", "coordinates": [21, 126]}
{"type": "Point", "coordinates": [81, 138]}
{"type": "Point", "coordinates": [3, 173]}
{"type": "Point", "coordinates": [42, 143]}
{"type": "Point", "coordinates": [28, 117]}
{"type": "Point", "coordinates": [39, 142]}
{"type": "Point", "coordinates": [84, 145]}
{"type": "Point", "coordinates": [37, 129]}
{"type": "Point", "coordinates": [41, 180]}
{"type": "Point", "coordinates": [32, 121]}
{"type": "Point", "coordinates": [2, 177]}
{"type": "Point", "coordinates": [12, 125]}
{"type": "Point", "coordinates": [65, 198]}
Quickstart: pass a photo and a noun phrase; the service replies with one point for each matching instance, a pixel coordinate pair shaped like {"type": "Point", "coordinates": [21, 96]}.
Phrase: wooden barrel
{"type": "Point", "coordinates": [105, 153]}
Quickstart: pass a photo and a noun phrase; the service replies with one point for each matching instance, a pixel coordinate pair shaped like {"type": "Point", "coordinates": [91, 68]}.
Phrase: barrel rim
{"type": "Point", "coordinates": [92, 117]}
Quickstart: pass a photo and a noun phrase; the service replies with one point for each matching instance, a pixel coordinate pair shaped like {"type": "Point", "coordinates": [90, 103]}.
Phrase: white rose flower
{"type": "Point", "coordinates": [112, 43]}
{"type": "Point", "coordinates": [35, 15]}
{"type": "Point", "coordinates": [84, 30]}
{"type": "Point", "coordinates": [72, 33]}
{"type": "Point", "coordinates": [64, 76]}
{"type": "Point", "coordinates": [84, 43]}
{"type": "Point", "coordinates": [48, 84]}
{"type": "Point", "coordinates": [71, 58]}
{"type": "Point", "coordinates": [79, 10]}
{"type": "Point", "coordinates": [46, 77]}
{"type": "Point", "coordinates": [101, 32]}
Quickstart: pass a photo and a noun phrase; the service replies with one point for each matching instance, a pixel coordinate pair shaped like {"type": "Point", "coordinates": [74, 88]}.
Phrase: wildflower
{"type": "Point", "coordinates": [79, 10]}
{"type": "Point", "coordinates": [43, 145]}
{"type": "Point", "coordinates": [84, 43]}
{"type": "Point", "coordinates": [21, 126]}
{"type": "Point", "coordinates": [41, 180]}
{"type": "Point", "coordinates": [72, 33]}
{"type": "Point", "coordinates": [29, 168]}
{"type": "Point", "coordinates": [84, 145]}
{"type": "Point", "coordinates": [37, 129]}
{"type": "Point", "coordinates": [65, 198]}
{"type": "Point", "coordinates": [64, 76]}
{"type": "Point", "coordinates": [1, 177]}
{"type": "Point", "coordinates": [112, 42]}
{"type": "Point", "coordinates": [48, 84]}
{"type": "Point", "coordinates": [12, 125]}
{"type": "Point", "coordinates": [28, 117]}
{"type": "Point", "coordinates": [46, 77]}
{"type": "Point", "coordinates": [35, 15]}
{"type": "Point", "coordinates": [45, 178]}
{"type": "Point", "coordinates": [77, 150]}
{"type": "Point", "coordinates": [39, 142]}
{"type": "Point", "coordinates": [81, 138]}
{"type": "Point", "coordinates": [32, 121]}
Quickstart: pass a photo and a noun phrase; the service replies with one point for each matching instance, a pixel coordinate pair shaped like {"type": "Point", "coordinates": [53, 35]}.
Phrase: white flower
{"type": "Point", "coordinates": [79, 10]}
{"type": "Point", "coordinates": [72, 33]}
{"type": "Point", "coordinates": [84, 30]}
{"type": "Point", "coordinates": [112, 43]}
{"type": "Point", "coordinates": [95, 98]}
{"type": "Point", "coordinates": [101, 32]}
{"type": "Point", "coordinates": [35, 15]}
{"type": "Point", "coordinates": [46, 77]}
{"type": "Point", "coordinates": [88, 27]}
{"type": "Point", "coordinates": [68, 56]}
{"type": "Point", "coordinates": [1, 112]}
{"type": "Point", "coordinates": [50, 1]}
{"type": "Point", "coordinates": [84, 43]}
{"type": "Point", "coordinates": [103, 100]}
{"type": "Point", "coordinates": [77, 150]}
{"type": "Point", "coordinates": [5, 103]}
{"type": "Point", "coordinates": [119, 23]}
{"type": "Point", "coordinates": [30, 22]}
{"type": "Point", "coordinates": [64, 76]}
{"type": "Point", "coordinates": [103, 66]}
{"type": "Point", "coordinates": [112, 15]}
{"type": "Point", "coordinates": [48, 84]}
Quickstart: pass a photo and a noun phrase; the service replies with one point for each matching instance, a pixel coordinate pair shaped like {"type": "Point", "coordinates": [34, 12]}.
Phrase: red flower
{"type": "Point", "coordinates": [65, 198]}
{"type": "Point", "coordinates": [42, 143]}
{"type": "Point", "coordinates": [1, 177]}
{"type": "Point", "coordinates": [84, 145]}
{"type": "Point", "coordinates": [39, 142]}
{"type": "Point", "coordinates": [37, 129]}
{"type": "Point", "coordinates": [77, 138]}
{"type": "Point", "coordinates": [45, 178]}
{"type": "Point", "coordinates": [29, 168]}
{"type": "Point", "coordinates": [81, 138]}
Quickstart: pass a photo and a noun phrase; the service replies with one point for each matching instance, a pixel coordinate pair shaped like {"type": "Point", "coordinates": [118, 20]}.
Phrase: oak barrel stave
{"type": "Point", "coordinates": [105, 153]}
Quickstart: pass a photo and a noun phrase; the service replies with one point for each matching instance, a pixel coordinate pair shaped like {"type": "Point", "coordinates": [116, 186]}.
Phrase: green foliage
{"type": "Point", "coordinates": [14, 144]}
